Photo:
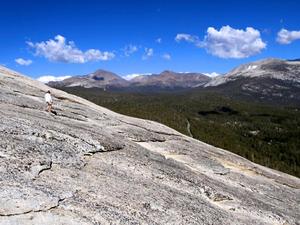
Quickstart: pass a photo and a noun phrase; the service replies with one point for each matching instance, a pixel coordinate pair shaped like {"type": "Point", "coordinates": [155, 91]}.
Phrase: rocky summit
{"type": "Point", "coordinates": [170, 79]}
{"type": "Point", "coordinates": [98, 79]}
{"type": "Point", "coordinates": [89, 165]}
{"type": "Point", "coordinates": [276, 69]}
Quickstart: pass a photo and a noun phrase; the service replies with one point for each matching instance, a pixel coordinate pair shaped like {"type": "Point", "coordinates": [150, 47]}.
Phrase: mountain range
{"type": "Point", "coordinates": [108, 80]}
{"type": "Point", "coordinates": [170, 79]}
{"type": "Point", "coordinates": [267, 80]}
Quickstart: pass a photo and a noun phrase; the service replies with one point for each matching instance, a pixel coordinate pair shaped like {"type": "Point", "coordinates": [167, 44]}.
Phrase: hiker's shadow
{"type": "Point", "coordinates": [54, 112]}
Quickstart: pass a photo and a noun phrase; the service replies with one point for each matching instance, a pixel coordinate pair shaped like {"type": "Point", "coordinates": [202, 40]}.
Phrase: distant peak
{"type": "Point", "coordinates": [101, 74]}
{"type": "Point", "coordinates": [167, 72]}
{"type": "Point", "coordinates": [102, 71]}
{"type": "Point", "coordinates": [255, 65]}
{"type": "Point", "coordinates": [268, 60]}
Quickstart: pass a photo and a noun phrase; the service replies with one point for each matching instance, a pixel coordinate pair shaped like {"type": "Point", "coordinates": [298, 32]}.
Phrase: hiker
{"type": "Point", "coordinates": [48, 100]}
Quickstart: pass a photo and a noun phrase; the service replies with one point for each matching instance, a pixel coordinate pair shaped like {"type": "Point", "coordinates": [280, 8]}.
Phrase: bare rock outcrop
{"type": "Point", "coordinates": [89, 165]}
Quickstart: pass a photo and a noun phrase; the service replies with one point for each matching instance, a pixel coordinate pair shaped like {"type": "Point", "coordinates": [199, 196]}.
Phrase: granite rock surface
{"type": "Point", "coordinates": [89, 165]}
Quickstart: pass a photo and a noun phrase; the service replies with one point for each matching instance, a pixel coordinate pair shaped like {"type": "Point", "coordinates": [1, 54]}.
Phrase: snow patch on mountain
{"type": "Point", "coordinates": [134, 75]}
{"type": "Point", "coordinates": [213, 74]}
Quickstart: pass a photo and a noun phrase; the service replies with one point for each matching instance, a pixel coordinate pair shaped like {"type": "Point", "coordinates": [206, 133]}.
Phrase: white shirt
{"type": "Point", "coordinates": [48, 98]}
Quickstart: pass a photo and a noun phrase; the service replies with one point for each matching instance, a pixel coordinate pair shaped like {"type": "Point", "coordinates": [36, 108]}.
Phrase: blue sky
{"type": "Point", "coordinates": [129, 37]}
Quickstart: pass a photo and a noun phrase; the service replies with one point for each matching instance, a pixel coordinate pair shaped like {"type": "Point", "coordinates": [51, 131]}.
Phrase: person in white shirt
{"type": "Point", "coordinates": [48, 100]}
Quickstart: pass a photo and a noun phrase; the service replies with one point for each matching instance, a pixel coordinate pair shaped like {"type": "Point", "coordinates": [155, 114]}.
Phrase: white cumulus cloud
{"type": "Point", "coordinates": [23, 62]}
{"type": "Point", "coordinates": [130, 49]}
{"type": "Point", "coordinates": [59, 50]}
{"type": "Point", "coordinates": [46, 79]}
{"type": "Point", "coordinates": [228, 42]}
{"type": "Point", "coordinates": [158, 40]}
{"type": "Point", "coordinates": [133, 75]}
{"type": "Point", "coordinates": [148, 53]}
{"type": "Point", "coordinates": [188, 38]}
{"type": "Point", "coordinates": [166, 56]}
{"type": "Point", "coordinates": [286, 37]}
{"type": "Point", "coordinates": [233, 43]}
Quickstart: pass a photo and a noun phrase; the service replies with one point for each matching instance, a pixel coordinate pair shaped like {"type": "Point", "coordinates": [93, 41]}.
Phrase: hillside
{"type": "Point", "coordinates": [89, 165]}
{"type": "Point", "coordinates": [269, 81]}
{"type": "Point", "coordinates": [267, 68]}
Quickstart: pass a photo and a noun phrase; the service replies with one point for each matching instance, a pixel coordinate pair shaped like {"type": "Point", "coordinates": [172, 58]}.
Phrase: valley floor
{"type": "Point", "coordinates": [268, 135]}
